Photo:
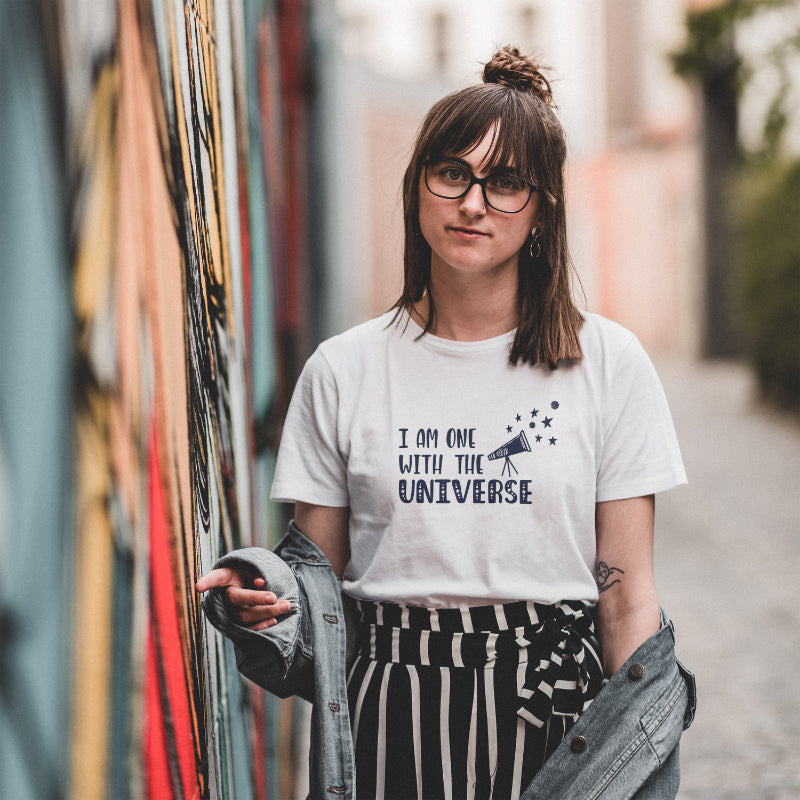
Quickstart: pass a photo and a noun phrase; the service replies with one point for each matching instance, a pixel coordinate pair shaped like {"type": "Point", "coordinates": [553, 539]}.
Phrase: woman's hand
{"type": "Point", "coordinates": [248, 599]}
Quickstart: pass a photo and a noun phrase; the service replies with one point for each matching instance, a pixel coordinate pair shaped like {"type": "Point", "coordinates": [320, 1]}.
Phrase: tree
{"type": "Point", "coordinates": [752, 195]}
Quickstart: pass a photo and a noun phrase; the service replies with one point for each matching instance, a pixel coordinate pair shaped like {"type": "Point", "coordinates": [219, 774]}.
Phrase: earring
{"type": "Point", "coordinates": [535, 240]}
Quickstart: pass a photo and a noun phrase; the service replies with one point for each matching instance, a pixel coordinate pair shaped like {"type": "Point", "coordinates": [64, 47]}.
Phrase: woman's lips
{"type": "Point", "coordinates": [468, 233]}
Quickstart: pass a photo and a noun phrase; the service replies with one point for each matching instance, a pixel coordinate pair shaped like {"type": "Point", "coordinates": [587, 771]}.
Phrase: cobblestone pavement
{"type": "Point", "coordinates": [728, 573]}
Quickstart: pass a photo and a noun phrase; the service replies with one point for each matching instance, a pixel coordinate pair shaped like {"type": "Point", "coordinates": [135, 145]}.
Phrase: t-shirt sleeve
{"type": "Point", "coordinates": [640, 453]}
{"type": "Point", "coordinates": [311, 467]}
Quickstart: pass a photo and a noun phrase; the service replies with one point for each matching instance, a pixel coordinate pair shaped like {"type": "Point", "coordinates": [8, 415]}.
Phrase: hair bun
{"type": "Point", "coordinates": [508, 67]}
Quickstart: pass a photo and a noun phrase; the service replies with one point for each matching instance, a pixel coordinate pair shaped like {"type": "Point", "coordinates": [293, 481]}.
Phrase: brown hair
{"type": "Point", "coordinates": [516, 95]}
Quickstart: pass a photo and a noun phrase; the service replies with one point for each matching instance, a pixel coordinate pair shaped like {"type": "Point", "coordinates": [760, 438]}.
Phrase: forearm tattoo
{"type": "Point", "coordinates": [605, 576]}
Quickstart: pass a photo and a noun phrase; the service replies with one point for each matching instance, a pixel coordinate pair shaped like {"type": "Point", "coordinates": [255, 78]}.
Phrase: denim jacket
{"type": "Point", "coordinates": [625, 745]}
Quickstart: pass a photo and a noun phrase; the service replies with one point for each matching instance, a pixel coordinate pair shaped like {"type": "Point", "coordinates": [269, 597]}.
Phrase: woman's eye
{"type": "Point", "coordinates": [506, 183]}
{"type": "Point", "coordinates": [453, 174]}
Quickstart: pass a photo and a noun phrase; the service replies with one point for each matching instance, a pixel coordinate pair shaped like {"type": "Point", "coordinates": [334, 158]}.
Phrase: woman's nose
{"type": "Point", "coordinates": [472, 202]}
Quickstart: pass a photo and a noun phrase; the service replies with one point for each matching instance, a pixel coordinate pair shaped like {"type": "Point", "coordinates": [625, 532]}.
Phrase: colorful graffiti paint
{"type": "Point", "coordinates": [186, 281]}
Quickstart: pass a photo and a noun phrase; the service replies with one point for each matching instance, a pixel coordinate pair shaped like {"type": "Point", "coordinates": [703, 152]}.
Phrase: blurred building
{"type": "Point", "coordinates": [634, 171]}
{"type": "Point", "coordinates": [651, 156]}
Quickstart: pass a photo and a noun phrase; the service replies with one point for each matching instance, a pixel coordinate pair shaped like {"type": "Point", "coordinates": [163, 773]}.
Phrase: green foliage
{"type": "Point", "coordinates": [768, 263]}
{"type": "Point", "coordinates": [708, 36]}
{"type": "Point", "coordinates": [769, 276]}
{"type": "Point", "coordinates": [775, 123]}
{"type": "Point", "coordinates": [709, 54]}
{"type": "Point", "coordinates": [777, 116]}
{"type": "Point", "coordinates": [709, 29]}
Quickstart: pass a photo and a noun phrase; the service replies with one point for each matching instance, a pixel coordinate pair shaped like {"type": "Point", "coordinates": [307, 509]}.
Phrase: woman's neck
{"type": "Point", "coordinates": [471, 310]}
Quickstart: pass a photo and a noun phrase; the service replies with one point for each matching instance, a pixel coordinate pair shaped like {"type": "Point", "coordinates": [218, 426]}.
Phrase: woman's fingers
{"type": "Point", "coordinates": [252, 615]}
{"type": "Point", "coordinates": [253, 607]}
{"type": "Point", "coordinates": [224, 576]}
{"type": "Point", "coordinates": [237, 596]}
{"type": "Point", "coordinates": [256, 608]}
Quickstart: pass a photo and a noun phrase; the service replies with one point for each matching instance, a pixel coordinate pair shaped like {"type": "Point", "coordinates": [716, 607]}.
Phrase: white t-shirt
{"type": "Point", "coordinates": [471, 481]}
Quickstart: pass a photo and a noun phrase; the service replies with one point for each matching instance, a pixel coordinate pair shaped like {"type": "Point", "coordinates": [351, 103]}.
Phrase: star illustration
{"type": "Point", "coordinates": [546, 421]}
{"type": "Point", "coordinates": [518, 417]}
{"type": "Point", "coordinates": [508, 428]}
{"type": "Point", "coordinates": [552, 440]}
{"type": "Point", "coordinates": [534, 412]}
{"type": "Point", "coordinates": [538, 438]}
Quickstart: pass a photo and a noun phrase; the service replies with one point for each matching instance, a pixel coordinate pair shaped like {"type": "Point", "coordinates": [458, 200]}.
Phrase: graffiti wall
{"type": "Point", "coordinates": [181, 133]}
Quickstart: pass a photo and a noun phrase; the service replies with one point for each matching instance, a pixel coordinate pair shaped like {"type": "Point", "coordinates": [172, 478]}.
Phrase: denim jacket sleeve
{"type": "Point", "coordinates": [625, 745]}
{"type": "Point", "coordinates": [279, 658]}
{"type": "Point", "coordinates": [305, 654]}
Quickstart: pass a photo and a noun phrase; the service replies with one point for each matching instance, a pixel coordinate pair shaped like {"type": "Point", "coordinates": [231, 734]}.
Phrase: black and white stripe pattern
{"type": "Point", "coordinates": [467, 703]}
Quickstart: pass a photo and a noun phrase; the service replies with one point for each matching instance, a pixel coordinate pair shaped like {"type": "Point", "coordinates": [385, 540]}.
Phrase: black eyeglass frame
{"type": "Point", "coordinates": [473, 180]}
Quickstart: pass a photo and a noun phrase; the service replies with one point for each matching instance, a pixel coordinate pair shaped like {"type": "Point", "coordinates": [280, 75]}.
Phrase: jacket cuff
{"type": "Point", "coordinates": [278, 640]}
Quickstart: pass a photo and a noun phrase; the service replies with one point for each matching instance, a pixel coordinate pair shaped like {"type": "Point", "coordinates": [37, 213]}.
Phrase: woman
{"type": "Point", "coordinates": [478, 466]}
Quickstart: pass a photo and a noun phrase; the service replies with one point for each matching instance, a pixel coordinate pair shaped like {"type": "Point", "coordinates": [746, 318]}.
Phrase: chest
{"type": "Point", "coordinates": [469, 432]}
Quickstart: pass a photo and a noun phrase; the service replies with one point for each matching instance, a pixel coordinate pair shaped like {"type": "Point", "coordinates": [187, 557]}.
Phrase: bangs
{"type": "Point", "coordinates": [464, 119]}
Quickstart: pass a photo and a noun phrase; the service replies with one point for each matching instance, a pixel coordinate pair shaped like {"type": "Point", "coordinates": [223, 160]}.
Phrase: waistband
{"type": "Point", "coordinates": [563, 672]}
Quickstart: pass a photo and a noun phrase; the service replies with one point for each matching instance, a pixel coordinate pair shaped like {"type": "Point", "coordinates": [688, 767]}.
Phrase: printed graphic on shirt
{"type": "Point", "coordinates": [446, 466]}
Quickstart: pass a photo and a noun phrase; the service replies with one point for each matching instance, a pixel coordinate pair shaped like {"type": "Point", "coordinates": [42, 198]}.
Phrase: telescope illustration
{"type": "Point", "coordinates": [519, 444]}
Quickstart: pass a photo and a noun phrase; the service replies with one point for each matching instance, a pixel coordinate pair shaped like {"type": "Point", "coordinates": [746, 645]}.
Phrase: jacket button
{"type": "Point", "coordinates": [336, 789]}
{"type": "Point", "coordinates": [334, 706]}
{"type": "Point", "coordinates": [332, 618]}
{"type": "Point", "coordinates": [578, 744]}
{"type": "Point", "coordinates": [636, 671]}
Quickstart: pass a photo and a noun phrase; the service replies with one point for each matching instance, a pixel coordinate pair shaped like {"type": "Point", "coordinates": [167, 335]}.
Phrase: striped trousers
{"type": "Point", "coordinates": [466, 703]}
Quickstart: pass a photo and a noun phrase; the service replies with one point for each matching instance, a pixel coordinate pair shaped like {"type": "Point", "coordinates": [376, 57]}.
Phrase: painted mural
{"type": "Point", "coordinates": [183, 166]}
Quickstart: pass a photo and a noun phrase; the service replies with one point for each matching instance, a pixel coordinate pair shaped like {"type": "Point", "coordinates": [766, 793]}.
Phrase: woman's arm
{"type": "Point", "coordinates": [329, 528]}
{"type": "Point", "coordinates": [627, 611]}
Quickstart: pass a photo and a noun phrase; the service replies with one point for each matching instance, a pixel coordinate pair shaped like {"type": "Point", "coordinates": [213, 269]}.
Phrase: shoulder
{"type": "Point", "coordinates": [361, 335]}
{"type": "Point", "coordinates": [337, 367]}
{"type": "Point", "coordinates": [357, 345]}
{"type": "Point", "coordinates": [601, 332]}
{"type": "Point", "coordinates": [608, 345]}
{"type": "Point", "coordinates": [613, 355]}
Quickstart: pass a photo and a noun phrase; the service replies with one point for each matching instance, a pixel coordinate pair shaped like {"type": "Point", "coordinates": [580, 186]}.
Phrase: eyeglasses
{"type": "Point", "coordinates": [503, 192]}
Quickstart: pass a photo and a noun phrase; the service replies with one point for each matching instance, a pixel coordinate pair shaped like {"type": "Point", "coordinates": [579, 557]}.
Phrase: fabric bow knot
{"type": "Point", "coordinates": [557, 679]}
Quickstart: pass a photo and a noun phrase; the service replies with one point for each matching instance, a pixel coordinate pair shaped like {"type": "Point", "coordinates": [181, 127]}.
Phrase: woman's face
{"type": "Point", "coordinates": [468, 236]}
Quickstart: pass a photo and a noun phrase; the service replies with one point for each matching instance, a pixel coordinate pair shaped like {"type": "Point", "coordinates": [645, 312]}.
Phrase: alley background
{"type": "Point", "coordinates": [194, 193]}
{"type": "Point", "coordinates": [727, 556]}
